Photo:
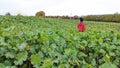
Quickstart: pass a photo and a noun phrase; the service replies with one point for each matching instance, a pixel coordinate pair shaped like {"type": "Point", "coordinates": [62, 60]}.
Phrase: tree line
{"type": "Point", "coordinates": [104, 18]}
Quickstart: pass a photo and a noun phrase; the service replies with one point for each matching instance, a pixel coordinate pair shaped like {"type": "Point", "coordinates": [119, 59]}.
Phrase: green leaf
{"type": "Point", "coordinates": [63, 58]}
{"type": "Point", "coordinates": [32, 49]}
{"type": "Point", "coordinates": [102, 51]}
{"type": "Point", "coordinates": [2, 65]}
{"type": "Point", "coordinates": [3, 50]}
{"type": "Point", "coordinates": [89, 66]}
{"type": "Point", "coordinates": [108, 65]}
{"type": "Point", "coordinates": [21, 56]}
{"type": "Point", "coordinates": [10, 67]}
{"type": "Point", "coordinates": [106, 58]}
{"type": "Point", "coordinates": [2, 41]}
{"type": "Point", "coordinates": [10, 54]}
{"type": "Point", "coordinates": [47, 64]}
{"type": "Point", "coordinates": [7, 63]}
{"type": "Point", "coordinates": [53, 46]}
{"type": "Point", "coordinates": [112, 54]}
{"type": "Point", "coordinates": [22, 46]}
{"type": "Point", "coordinates": [100, 40]}
{"type": "Point", "coordinates": [68, 51]}
{"type": "Point", "coordinates": [93, 62]}
{"type": "Point", "coordinates": [61, 66]}
{"type": "Point", "coordinates": [118, 36]}
{"type": "Point", "coordinates": [81, 54]}
{"type": "Point", "coordinates": [35, 59]}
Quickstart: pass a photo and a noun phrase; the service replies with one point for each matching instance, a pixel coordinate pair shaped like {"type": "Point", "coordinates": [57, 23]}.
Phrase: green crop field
{"type": "Point", "coordinates": [31, 42]}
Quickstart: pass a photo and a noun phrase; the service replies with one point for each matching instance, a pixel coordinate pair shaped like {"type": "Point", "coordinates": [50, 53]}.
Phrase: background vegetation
{"type": "Point", "coordinates": [105, 18]}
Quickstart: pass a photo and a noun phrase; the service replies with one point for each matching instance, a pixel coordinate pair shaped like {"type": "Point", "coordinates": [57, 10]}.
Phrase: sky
{"type": "Point", "coordinates": [60, 7]}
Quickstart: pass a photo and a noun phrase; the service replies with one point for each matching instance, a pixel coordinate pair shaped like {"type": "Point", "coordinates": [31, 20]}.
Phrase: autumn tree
{"type": "Point", "coordinates": [40, 14]}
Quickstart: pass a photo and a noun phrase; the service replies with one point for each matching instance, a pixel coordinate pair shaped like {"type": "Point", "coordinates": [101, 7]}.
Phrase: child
{"type": "Point", "coordinates": [81, 26]}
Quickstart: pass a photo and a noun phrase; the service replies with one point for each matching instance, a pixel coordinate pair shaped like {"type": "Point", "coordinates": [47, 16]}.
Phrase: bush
{"type": "Point", "coordinates": [40, 14]}
{"type": "Point", "coordinates": [8, 14]}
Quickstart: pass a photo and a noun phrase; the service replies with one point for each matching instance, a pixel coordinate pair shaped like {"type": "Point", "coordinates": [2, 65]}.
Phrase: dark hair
{"type": "Point", "coordinates": [81, 19]}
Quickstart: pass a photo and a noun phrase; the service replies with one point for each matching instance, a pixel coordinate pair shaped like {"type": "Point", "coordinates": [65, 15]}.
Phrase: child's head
{"type": "Point", "coordinates": [81, 19]}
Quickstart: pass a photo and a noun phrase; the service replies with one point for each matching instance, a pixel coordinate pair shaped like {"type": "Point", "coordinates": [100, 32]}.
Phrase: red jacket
{"type": "Point", "coordinates": [81, 26]}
